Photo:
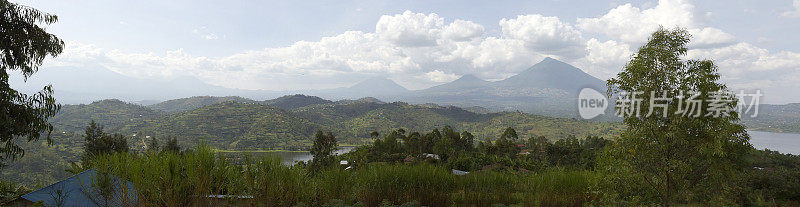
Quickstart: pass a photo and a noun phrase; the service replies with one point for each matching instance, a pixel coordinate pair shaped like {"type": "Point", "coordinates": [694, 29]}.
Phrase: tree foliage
{"type": "Point", "coordinates": [23, 46]}
{"type": "Point", "coordinates": [98, 142]}
{"type": "Point", "coordinates": [666, 156]}
{"type": "Point", "coordinates": [324, 146]}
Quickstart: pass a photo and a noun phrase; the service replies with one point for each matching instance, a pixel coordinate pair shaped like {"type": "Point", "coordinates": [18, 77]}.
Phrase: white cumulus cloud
{"type": "Point", "coordinates": [545, 34]}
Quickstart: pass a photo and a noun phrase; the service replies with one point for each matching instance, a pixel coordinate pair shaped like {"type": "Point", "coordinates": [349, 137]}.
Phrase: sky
{"type": "Point", "coordinates": [296, 45]}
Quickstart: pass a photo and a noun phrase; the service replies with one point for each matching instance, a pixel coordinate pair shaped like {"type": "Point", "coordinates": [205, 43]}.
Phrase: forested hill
{"type": "Point", "coordinates": [243, 124]}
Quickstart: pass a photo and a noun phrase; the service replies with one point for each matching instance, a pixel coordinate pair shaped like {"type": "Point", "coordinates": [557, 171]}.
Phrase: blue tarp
{"type": "Point", "coordinates": [82, 190]}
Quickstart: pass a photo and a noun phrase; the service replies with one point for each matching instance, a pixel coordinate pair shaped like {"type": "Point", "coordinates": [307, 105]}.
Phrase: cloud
{"type": "Point", "coordinates": [634, 25]}
{"type": "Point", "coordinates": [710, 37]}
{"type": "Point", "coordinates": [605, 59]}
{"type": "Point", "coordinates": [410, 29]}
{"type": "Point", "coordinates": [631, 24]}
{"type": "Point", "coordinates": [746, 66]}
{"type": "Point", "coordinates": [545, 34]}
{"type": "Point", "coordinates": [422, 50]}
{"type": "Point", "coordinates": [794, 13]}
{"type": "Point", "coordinates": [461, 30]}
{"type": "Point", "coordinates": [440, 77]}
{"type": "Point", "coordinates": [205, 33]}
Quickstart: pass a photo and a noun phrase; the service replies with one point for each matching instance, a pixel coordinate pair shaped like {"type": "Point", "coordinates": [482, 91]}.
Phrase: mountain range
{"type": "Point", "coordinates": [546, 88]}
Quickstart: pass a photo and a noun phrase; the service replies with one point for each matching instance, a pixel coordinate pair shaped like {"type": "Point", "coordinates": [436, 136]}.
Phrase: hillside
{"type": "Point", "coordinates": [239, 126]}
{"type": "Point", "coordinates": [775, 118]}
{"type": "Point", "coordinates": [296, 101]}
{"type": "Point", "coordinates": [186, 104]}
{"type": "Point", "coordinates": [112, 113]}
{"type": "Point", "coordinates": [231, 125]}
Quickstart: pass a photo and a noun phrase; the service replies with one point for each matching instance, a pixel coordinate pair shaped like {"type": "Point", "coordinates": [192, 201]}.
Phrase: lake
{"type": "Point", "coordinates": [290, 157]}
{"type": "Point", "coordinates": [781, 142]}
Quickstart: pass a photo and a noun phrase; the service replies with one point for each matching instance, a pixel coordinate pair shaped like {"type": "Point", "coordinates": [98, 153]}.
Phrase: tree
{"type": "Point", "coordinates": [24, 44]}
{"type": "Point", "coordinates": [172, 145]}
{"type": "Point", "coordinates": [152, 146]}
{"type": "Point", "coordinates": [538, 145]}
{"type": "Point", "coordinates": [98, 142]}
{"type": "Point", "coordinates": [506, 144]}
{"type": "Point", "coordinates": [323, 148]}
{"type": "Point", "coordinates": [664, 156]}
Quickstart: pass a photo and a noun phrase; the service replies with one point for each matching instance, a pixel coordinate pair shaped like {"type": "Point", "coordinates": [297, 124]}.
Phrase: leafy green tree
{"type": "Point", "coordinates": [565, 152]}
{"type": "Point", "coordinates": [467, 141]}
{"type": "Point", "coordinates": [152, 145]}
{"type": "Point", "coordinates": [506, 144]}
{"type": "Point", "coordinates": [172, 145]}
{"type": "Point", "coordinates": [324, 146]}
{"type": "Point", "coordinates": [668, 156]}
{"type": "Point", "coordinates": [538, 145]}
{"type": "Point", "coordinates": [24, 44]}
{"type": "Point", "coordinates": [98, 142]}
{"type": "Point", "coordinates": [510, 134]}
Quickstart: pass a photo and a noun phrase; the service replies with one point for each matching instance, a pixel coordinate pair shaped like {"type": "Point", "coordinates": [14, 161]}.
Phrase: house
{"type": "Point", "coordinates": [81, 190]}
{"type": "Point", "coordinates": [428, 155]}
{"type": "Point", "coordinates": [459, 172]}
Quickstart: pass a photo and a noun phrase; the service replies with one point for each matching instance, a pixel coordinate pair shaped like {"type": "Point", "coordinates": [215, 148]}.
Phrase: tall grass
{"type": "Point", "coordinates": [187, 180]}
{"type": "Point", "coordinates": [428, 184]}
{"type": "Point", "coordinates": [558, 188]}
{"type": "Point", "coordinates": [486, 189]}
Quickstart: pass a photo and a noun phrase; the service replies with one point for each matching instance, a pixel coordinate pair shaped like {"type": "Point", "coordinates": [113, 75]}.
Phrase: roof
{"type": "Point", "coordinates": [80, 190]}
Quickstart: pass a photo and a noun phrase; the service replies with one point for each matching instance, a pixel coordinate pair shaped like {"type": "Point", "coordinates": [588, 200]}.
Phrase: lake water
{"type": "Point", "coordinates": [290, 157]}
{"type": "Point", "coordinates": [781, 142]}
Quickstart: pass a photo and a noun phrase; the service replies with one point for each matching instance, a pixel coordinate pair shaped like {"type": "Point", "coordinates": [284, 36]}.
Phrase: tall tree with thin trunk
{"type": "Point", "coordinates": [669, 153]}
{"type": "Point", "coordinates": [24, 44]}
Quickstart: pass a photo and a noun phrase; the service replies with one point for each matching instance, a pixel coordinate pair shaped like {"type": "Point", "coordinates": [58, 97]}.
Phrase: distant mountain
{"type": "Point", "coordinates": [549, 88]}
{"type": "Point", "coordinates": [373, 87]}
{"type": "Point", "coordinates": [296, 101]}
{"type": "Point", "coordinates": [186, 104]}
{"type": "Point", "coordinates": [554, 74]}
{"type": "Point", "coordinates": [465, 84]}
{"type": "Point", "coordinates": [100, 83]}
{"type": "Point", "coordinates": [376, 86]}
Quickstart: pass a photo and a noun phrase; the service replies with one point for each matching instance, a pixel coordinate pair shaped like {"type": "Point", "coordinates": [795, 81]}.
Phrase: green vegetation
{"type": "Point", "coordinates": [24, 45]}
{"type": "Point", "coordinates": [187, 104]}
{"type": "Point", "coordinates": [182, 179]}
{"type": "Point", "coordinates": [668, 156]}
{"type": "Point", "coordinates": [393, 171]}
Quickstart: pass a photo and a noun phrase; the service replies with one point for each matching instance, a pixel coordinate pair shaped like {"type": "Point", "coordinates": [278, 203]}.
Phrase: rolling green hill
{"type": "Point", "coordinates": [113, 114]}
{"type": "Point", "coordinates": [186, 104]}
{"type": "Point", "coordinates": [775, 118]}
{"type": "Point", "coordinates": [244, 125]}
{"type": "Point", "coordinates": [296, 101]}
